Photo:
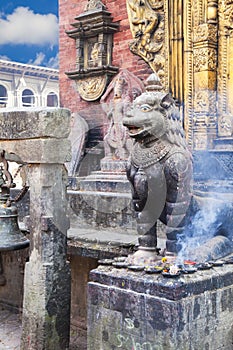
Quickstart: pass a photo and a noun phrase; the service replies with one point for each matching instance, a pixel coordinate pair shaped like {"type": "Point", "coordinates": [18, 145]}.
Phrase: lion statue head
{"type": "Point", "coordinates": [153, 116]}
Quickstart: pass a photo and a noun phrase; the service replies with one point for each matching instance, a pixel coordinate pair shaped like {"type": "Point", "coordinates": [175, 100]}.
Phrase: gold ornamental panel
{"type": "Point", "coordinates": [92, 88]}
{"type": "Point", "coordinates": [147, 26]}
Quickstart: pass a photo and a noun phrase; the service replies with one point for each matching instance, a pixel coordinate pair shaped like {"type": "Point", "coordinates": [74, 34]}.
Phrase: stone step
{"type": "Point", "coordinates": [100, 194]}
{"type": "Point", "coordinates": [105, 182]}
{"type": "Point", "coordinates": [105, 186]}
{"type": "Point", "coordinates": [108, 164]}
{"type": "Point", "coordinates": [107, 175]}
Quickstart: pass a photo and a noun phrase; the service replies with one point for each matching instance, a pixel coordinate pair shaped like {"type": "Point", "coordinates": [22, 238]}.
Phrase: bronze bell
{"type": "Point", "coordinates": [11, 238]}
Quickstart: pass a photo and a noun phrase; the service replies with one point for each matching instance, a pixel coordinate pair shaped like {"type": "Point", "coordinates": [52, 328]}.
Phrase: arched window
{"type": "Point", "coordinates": [3, 96]}
{"type": "Point", "coordinates": [52, 100]}
{"type": "Point", "coordinates": [28, 98]}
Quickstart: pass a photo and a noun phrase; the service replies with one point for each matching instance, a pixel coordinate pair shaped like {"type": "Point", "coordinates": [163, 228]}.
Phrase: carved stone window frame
{"type": "Point", "coordinates": [93, 33]}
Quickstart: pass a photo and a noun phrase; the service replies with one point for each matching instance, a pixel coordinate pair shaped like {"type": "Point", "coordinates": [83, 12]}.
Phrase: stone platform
{"type": "Point", "coordinates": [103, 199]}
{"type": "Point", "coordinates": [134, 310]}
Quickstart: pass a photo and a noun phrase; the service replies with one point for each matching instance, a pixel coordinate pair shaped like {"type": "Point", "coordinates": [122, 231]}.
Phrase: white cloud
{"type": "Point", "coordinates": [41, 60]}
{"type": "Point", "coordinates": [24, 26]}
{"type": "Point", "coordinates": [40, 57]}
{"type": "Point", "coordinates": [54, 62]}
{"type": "Point", "coordinates": [5, 58]}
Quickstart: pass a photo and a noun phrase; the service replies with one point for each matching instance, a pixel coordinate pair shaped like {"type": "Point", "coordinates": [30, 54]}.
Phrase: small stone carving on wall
{"type": "Point", "coordinates": [204, 101]}
{"type": "Point", "coordinates": [124, 88]}
{"type": "Point", "coordinates": [94, 4]}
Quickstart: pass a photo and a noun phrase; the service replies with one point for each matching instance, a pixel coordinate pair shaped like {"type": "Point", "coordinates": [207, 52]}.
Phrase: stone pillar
{"type": "Point", "coordinates": [46, 304]}
{"type": "Point", "coordinates": [39, 138]}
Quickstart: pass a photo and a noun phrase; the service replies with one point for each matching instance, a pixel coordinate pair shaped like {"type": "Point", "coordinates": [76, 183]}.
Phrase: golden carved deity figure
{"type": "Point", "coordinates": [95, 54]}
{"type": "Point", "coordinates": [147, 28]}
{"type": "Point", "coordinates": [145, 21]}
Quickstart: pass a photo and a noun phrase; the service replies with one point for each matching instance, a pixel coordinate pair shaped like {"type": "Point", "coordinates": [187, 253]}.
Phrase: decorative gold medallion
{"type": "Point", "coordinates": [90, 89]}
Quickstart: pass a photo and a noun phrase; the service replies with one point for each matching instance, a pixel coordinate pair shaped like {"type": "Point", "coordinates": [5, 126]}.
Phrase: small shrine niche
{"type": "Point", "coordinates": [93, 32]}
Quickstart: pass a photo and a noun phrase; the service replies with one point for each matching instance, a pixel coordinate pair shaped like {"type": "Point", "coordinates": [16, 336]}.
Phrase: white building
{"type": "Point", "coordinates": [25, 85]}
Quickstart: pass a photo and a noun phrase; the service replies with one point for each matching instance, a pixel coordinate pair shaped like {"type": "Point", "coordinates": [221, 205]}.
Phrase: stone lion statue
{"type": "Point", "coordinates": [160, 170]}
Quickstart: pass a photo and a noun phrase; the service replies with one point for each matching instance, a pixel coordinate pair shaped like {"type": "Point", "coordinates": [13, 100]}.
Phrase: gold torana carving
{"type": "Point", "coordinates": [205, 32]}
{"type": "Point", "coordinates": [189, 44]}
{"type": "Point", "coordinates": [147, 27]}
{"type": "Point", "coordinates": [94, 55]}
{"type": "Point", "coordinates": [205, 59]}
{"type": "Point", "coordinates": [90, 89]}
{"type": "Point", "coordinates": [156, 4]}
{"type": "Point", "coordinates": [225, 70]}
{"type": "Point", "coordinates": [196, 12]}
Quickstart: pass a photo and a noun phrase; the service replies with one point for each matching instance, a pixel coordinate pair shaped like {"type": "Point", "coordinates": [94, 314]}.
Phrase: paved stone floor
{"type": "Point", "coordinates": [10, 332]}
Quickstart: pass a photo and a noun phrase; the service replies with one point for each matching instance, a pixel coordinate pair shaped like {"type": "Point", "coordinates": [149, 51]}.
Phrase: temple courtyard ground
{"type": "Point", "coordinates": [10, 332]}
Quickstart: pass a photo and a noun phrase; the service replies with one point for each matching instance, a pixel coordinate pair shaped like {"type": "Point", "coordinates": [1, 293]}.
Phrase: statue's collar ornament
{"type": "Point", "coordinates": [143, 157]}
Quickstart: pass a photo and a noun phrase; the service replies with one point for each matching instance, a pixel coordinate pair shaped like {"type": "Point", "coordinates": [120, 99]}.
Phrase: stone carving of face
{"type": "Point", "coordinates": [147, 117]}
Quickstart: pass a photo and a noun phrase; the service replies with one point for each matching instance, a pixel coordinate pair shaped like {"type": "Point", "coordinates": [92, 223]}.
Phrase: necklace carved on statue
{"type": "Point", "coordinates": [145, 156]}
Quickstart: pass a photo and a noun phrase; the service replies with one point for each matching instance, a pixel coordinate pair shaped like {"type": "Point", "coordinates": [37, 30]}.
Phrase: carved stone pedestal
{"type": "Point", "coordinates": [104, 198]}
{"type": "Point", "coordinates": [133, 310]}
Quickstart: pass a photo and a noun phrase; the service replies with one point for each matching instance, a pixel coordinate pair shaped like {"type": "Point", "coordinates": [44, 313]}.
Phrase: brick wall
{"type": "Point", "coordinates": [122, 57]}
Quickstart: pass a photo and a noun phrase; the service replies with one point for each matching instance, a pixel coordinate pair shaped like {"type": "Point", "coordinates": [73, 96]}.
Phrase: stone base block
{"type": "Point", "coordinates": [134, 310]}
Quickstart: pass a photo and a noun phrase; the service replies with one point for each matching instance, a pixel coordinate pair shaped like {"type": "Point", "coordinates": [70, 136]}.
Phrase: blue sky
{"type": "Point", "coordinates": [29, 31]}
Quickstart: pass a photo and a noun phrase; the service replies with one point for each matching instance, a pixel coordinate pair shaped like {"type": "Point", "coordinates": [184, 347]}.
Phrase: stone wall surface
{"type": "Point", "coordinates": [133, 310]}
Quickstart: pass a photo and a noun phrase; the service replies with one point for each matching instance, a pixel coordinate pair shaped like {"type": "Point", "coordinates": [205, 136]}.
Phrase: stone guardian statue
{"type": "Point", "coordinates": [160, 170]}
